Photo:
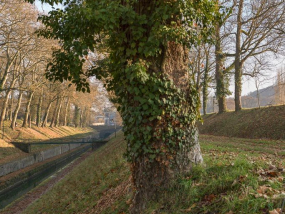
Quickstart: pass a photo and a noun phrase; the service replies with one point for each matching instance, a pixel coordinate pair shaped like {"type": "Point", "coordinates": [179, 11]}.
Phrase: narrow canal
{"type": "Point", "coordinates": [20, 188]}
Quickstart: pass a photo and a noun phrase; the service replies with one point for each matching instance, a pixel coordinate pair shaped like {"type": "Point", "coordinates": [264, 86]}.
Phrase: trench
{"type": "Point", "coordinates": [12, 193]}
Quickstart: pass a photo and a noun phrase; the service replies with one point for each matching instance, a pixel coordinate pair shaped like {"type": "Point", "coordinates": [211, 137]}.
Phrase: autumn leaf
{"type": "Point", "coordinates": [209, 198]}
{"type": "Point", "coordinates": [189, 209]}
{"type": "Point", "coordinates": [275, 211]}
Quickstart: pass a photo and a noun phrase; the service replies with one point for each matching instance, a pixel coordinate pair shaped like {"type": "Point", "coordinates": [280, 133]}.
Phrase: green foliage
{"type": "Point", "coordinates": [133, 35]}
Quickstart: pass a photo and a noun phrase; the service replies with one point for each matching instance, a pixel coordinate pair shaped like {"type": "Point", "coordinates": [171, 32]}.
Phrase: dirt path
{"type": "Point", "coordinates": [21, 204]}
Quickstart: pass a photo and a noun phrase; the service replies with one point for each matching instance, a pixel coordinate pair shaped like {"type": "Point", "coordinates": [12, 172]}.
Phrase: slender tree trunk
{"type": "Point", "coordinates": [44, 124]}
{"type": "Point", "coordinates": [205, 84]}
{"type": "Point", "coordinates": [238, 64]}
{"type": "Point", "coordinates": [56, 124]}
{"type": "Point", "coordinates": [66, 112]}
{"type": "Point", "coordinates": [220, 81]}
{"type": "Point", "coordinates": [81, 118]}
{"type": "Point", "coordinates": [6, 101]}
{"type": "Point", "coordinates": [27, 112]}
{"type": "Point", "coordinates": [39, 110]}
{"type": "Point", "coordinates": [4, 108]}
{"type": "Point", "coordinates": [76, 116]}
{"type": "Point", "coordinates": [14, 120]}
{"type": "Point", "coordinates": [54, 114]}
{"type": "Point", "coordinates": [11, 106]}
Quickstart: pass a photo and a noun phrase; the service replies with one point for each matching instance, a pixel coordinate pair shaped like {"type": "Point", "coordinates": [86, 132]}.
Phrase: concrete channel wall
{"type": "Point", "coordinates": [35, 158]}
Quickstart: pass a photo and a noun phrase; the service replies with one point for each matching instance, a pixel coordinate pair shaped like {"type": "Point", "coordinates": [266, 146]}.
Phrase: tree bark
{"type": "Point", "coordinates": [238, 64]}
{"type": "Point", "coordinates": [44, 124]}
{"type": "Point", "coordinates": [27, 112]}
{"type": "Point", "coordinates": [220, 81]}
{"type": "Point", "coordinates": [149, 177]}
{"type": "Point", "coordinates": [205, 83]}
{"type": "Point", "coordinates": [66, 112]}
{"type": "Point", "coordinates": [12, 106]}
{"type": "Point", "coordinates": [76, 116]}
{"type": "Point", "coordinates": [54, 114]}
{"type": "Point", "coordinates": [56, 124]}
{"type": "Point", "coordinates": [39, 110]}
{"type": "Point", "coordinates": [14, 120]}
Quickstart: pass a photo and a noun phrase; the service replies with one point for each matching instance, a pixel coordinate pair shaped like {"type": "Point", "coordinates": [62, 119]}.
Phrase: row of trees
{"type": "Point", "coordinates": [24, 91]}
{"type": "Point", "coordinates": [248, 36]}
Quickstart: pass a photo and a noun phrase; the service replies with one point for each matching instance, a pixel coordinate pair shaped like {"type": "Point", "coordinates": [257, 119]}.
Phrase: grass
{"type": "Point", "coordinates": [87, 188]}
{"type": "Point", "coordinates": [235, 179]}
{"type": "Point", "coordinates": [266, 122]}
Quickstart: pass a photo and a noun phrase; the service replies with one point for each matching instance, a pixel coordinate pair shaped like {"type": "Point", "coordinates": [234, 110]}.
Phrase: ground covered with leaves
{"type": "Point", "coordinates": [239, 176]}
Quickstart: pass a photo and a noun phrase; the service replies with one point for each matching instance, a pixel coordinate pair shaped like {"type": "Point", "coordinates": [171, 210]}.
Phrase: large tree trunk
{"type": "Point", "coordinates": [14, 120]}
{"type": "Point", "coordinates": [220, 82]}
{"type": "Point", "coordinates": [153, 171]}
{"type": "Point", "coordinates": [238, 64]}
{"type": "Point", "coordinates": [27, 112]}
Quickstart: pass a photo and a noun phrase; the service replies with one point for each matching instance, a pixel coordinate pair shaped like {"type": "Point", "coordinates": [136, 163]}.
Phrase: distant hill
{"type": "Point", "coordinates": [267, 98]}
{"type": "Point", "coordinates": [265, 92]}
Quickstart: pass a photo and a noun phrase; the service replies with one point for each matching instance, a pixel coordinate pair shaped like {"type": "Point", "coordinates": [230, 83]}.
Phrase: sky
{"type": "Point", "coordinates": [248, 83]}
{"type": "Point", "coordinates": [43, 7]}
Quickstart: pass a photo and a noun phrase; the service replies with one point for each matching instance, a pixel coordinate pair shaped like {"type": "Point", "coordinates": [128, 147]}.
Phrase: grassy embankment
{"type": "Point", "coordinates": [266, 122]}
{"type": "Point", "coordinates": [9, 152]}
{"type": "Point", "coordinates": [239, 176]}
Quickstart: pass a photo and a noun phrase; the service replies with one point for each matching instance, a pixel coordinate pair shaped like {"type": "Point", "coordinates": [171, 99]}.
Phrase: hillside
{"type": "Point", "coordinates": [267, 122]}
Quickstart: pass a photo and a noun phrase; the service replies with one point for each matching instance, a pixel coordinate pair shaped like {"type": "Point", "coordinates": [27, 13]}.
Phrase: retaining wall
{"type": "Point", "coordinates": [35, 158]}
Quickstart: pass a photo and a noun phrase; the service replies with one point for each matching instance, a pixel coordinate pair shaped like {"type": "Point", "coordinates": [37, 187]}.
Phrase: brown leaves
{"type": "Point", "coordinates": [240, 179]}
{"type": "Point", "coordinates": [275, 211]}
{"type": "Point", "coordinates": [189, 209]}
{"type": "Point", "coordinates": [209, 198]}
{"type": "Point", "coordinates": [268, 192]}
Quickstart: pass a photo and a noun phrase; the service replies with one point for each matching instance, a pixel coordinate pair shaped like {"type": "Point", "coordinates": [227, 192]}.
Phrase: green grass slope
{"type": "Point", "coordinates": [266, 122]}
{"type": "Point", "coordinates": [235, 179]}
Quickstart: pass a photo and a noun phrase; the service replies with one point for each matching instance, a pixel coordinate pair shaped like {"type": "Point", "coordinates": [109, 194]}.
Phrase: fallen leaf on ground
{"type": "Point", "coordinates": [209, 198]}
{"type": "Point", "coordinates": [275, 211]}
{"type": "Point", "coordinates": [189, 209]}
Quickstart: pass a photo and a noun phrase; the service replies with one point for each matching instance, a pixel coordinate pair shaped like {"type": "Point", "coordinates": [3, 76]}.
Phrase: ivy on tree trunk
{"type": "Point", "coordinates": [145, 44]}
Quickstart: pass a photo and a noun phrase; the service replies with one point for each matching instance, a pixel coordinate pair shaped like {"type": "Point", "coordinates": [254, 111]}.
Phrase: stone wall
{"type": "Point", "coordinates": [35, 158]}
